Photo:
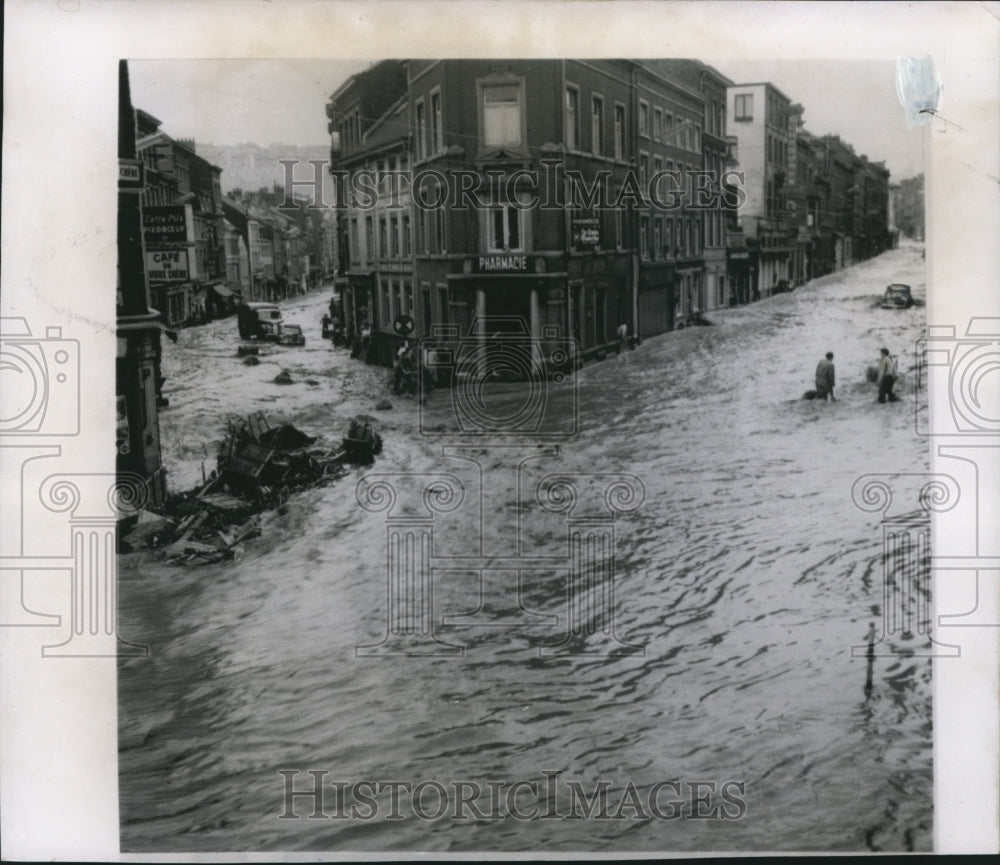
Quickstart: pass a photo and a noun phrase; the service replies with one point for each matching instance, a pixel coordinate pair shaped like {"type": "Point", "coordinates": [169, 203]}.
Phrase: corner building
{"type": "Point", "coordinates": [524, 199]}
{"type": "Point", "coordinates": [530, 154]}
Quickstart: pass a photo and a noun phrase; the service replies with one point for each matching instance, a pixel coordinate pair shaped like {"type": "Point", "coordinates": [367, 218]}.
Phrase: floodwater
{"type": "Point", "coordinates": [743, 578]}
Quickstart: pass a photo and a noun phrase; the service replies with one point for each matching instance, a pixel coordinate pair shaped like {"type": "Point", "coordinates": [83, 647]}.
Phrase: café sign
{"type": "Point", "coordinates": [167, 265]}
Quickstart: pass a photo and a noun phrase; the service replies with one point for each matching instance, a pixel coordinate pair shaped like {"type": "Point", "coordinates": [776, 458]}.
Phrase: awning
{"type": "Point", "coordinates": [222, 291]}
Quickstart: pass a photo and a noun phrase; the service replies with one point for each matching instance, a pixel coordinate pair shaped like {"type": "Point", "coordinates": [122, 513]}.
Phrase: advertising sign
{"type": "Point", "coordinates": [167, 265]}
{"type": "Point", "coordinates": [169, 226]}
{"type": "Point", "coordinates": [586, 233]}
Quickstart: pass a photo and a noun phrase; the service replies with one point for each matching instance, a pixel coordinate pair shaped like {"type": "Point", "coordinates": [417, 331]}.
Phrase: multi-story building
{"type": "Point", "coordinates": [710, 200]}
{"type": "Point", "coordinates": [554, 196]}
{"type": "Point", "coordinates": [139, 329]}
{"type": "Point", "coordinates": [909, 207]}
{"type": "Point", "coordinates": [765, 122]}
{"type": "Point", "coordinates": [237, 259]}
{"type": "Point", "coordinates": [183, 216]}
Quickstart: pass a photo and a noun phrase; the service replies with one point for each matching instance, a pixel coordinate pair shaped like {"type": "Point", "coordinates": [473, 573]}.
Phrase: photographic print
{"type": "Point", "coordinates": [514, 450]}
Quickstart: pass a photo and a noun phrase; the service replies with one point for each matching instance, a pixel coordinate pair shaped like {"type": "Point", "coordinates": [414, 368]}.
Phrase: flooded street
{"type": "Point", "coordinates": [744, 577]}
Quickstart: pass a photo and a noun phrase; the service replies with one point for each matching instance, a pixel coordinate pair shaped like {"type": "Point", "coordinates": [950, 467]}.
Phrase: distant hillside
{"type": "Point", "coordinates": [251, 166]}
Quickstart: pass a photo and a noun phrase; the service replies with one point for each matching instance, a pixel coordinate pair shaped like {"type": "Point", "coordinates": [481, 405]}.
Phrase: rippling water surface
{"type": "Point", "coordinates": [746, 575]}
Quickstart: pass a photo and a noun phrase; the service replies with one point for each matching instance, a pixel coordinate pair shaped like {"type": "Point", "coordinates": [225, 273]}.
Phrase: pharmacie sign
{"type": "Point", "coordinates": [503, 264]}
{"type": "Point", "coordinates": [167, 265]}
{"type": "Point", "coordinates": [169, 226]}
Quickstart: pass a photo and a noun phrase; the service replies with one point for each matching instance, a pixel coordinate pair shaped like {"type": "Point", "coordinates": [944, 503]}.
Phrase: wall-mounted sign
{"type": "Point", "coordinates": [168, 265]}
{"type": "Point", "coordinates": [586, 233]}
{"type": "Point", "coordinates": [170, 226]}
{"type": "Point", "coordinates": [505, 263]}
{"type": "Point", "coordinates": [131, 175]}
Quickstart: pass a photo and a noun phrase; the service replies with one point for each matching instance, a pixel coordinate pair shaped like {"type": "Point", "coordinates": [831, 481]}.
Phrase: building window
{"type": "Point", "coordinates": [369, 239]}
{"type": "Point", "coordinates": [657, 237]}
{"type": "Point", "coordinates": [697, 139]}
{"type": "Point", "coordinates": [407, 305]}
{"type": "Point", "coordinates": [394, 236]}
{"type": "Point", "coordinates": [439, 229]}
{"type": "Point", "coordinates": [744, 106]}
{"type": "Point", "coordinates": [383, 238]}
{"type": "Point", "coordinates": [505, 232]}
{"type": "Point", "coordinates": [644, 236]}
{"type": "Point", "coordinates": [597, 125]}
{"type": "Point", "coordinates": [619, 131]}
{"type": "Point", "coordinates": [421, 129]}
{"type": "Point", "coordinates": [572, 119]}
{"type": "Point", "coordinates": [386, 307]}
{"type": "Point", "coordinates": [619, 229]}
{"type": "Point", "coordinates": [643, 170]}
{"type": "Point", "coordinates": [643, 119]}
{"type": "Point", "coordinates": [437, 130]}
{"type": "Point", "coordinates": [407, 239]}
{"type": "Point", "coordinates": [657, 124]}
{"type": "Point", "coordinates": [442, 293]}
{"type": "Point", "coordinates": [501, 115]}
{"type": "Point", "coordinates": [355, 247]}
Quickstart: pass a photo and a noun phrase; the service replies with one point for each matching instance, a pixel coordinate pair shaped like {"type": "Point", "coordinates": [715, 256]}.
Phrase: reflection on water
{"type": "Point", "coordinates": [746, 575]}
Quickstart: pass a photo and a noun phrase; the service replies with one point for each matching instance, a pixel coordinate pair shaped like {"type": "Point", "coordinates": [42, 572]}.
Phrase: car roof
{"type": "Point", "coordinates": [260, 305]}
{"type": "Point", "coordinates": [897, 286]}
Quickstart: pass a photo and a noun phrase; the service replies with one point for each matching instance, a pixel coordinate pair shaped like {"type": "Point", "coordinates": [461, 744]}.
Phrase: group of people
{"type": "Point", "coordinates": [885, 372]}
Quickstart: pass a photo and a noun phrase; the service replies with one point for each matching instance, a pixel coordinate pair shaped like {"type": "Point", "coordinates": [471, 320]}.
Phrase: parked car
{"type": "Point", "coordinates": [260, 320]}
{"type": "Point", "coordinates": [897, 296]}
{"type": "Point", "coordinates": [783, 287]}
{"type": "Point", "coordinates": [291, 334]}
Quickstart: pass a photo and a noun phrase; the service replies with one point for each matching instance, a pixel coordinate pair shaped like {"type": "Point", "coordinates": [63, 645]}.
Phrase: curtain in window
{"type": "Point", "coordinates": [502, 115]}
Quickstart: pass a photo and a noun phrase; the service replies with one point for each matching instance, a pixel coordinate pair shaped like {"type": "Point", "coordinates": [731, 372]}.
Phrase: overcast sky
{"type": "Point", "coordinates": [283, 101]}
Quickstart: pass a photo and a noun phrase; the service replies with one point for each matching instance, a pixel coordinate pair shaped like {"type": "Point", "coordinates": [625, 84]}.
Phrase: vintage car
{"type": "Point", "coordinates": [897, 296]}
{"type": "Point", "coordinates": [258, 320]}
{"type": "Point", "coordinates": [291, 334]}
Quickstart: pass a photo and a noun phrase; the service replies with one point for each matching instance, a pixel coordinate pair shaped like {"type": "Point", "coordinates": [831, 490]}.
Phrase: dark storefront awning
{"type": "Point", "coordinates": [222, 291]}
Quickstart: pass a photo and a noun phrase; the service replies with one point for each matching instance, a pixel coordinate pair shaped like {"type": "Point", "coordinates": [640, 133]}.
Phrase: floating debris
{"type": "Point", "coordinates": [259, 467]}
{"type": "Point", "coordinates": [283, 377]}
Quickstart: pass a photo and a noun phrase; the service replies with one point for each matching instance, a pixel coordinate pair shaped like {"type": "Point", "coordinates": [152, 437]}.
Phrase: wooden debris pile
{"type": "Point", "coordinates": [259, 467]}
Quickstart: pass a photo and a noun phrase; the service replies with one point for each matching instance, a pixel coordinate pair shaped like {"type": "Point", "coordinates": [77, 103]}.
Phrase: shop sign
{"type": "Point", "coordinates": [506, 263]}
{"type": "Point", "coordinates": [586, 233]}
{"type": "Point", "coordinates": [131, 176]}
{"type": "Point", "coordinates": [167, 265]}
